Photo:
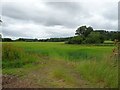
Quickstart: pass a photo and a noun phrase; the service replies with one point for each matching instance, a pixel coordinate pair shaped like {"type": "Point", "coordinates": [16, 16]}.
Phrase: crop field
{"type": "Point", "coordinates": [58, 65]}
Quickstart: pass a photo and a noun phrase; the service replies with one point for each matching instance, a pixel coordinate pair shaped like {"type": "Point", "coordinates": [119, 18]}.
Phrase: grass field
{"type": "Point", "coordinates": [48, 64]}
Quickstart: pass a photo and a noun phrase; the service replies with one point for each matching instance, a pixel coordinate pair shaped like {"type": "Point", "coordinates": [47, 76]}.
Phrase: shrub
{"type": "Point", "coordinates": [75, 40]}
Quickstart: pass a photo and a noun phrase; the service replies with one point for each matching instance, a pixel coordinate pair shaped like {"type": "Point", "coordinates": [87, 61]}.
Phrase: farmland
{"type": "Point", "coordinates": [58, 65]}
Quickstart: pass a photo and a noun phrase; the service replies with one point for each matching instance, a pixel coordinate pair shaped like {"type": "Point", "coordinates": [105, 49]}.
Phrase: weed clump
{"type": "Point", "coordinates": [15, 57]}
{"type": "Point", "coordinates": [10, 52]}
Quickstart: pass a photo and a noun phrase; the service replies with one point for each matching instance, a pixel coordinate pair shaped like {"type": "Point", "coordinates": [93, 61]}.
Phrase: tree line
{"type": "Point", "coordinates": [36, 40]}
{"type": "Point", "coordinates": [83, 35]}
{"type": "Point", "coordinates": [86, 35]}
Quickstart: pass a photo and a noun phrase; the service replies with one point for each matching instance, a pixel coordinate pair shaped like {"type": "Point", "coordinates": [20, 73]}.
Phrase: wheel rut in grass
{"type": "Point", "coordinates": [53, 74]}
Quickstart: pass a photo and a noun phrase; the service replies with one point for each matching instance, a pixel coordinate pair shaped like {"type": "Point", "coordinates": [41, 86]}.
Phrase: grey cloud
{"type": "Point", "coordinates": [12, 33]}
{"type": "Point", "coordinates": [67, 14]}
{"type": "Point", "coordinates": [111, 13]}
{"type": "Point", "coordinates": [13, 10]}
{"type": "Point", "coordinates": [71, 7]}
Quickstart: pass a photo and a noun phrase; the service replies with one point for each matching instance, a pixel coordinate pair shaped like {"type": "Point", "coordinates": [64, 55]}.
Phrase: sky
{"type": "Point", "coordinates": [49, 18]}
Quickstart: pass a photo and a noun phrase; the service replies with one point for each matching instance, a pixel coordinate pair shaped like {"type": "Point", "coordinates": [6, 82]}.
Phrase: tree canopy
{"type": "Point", "coordinates": [84, 31]}
{"type": "Point", "coordinates": [86, 35]}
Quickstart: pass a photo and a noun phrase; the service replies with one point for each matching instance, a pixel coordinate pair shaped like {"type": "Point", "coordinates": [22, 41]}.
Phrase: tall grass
{"type": "Point", "coordinates": [12, 53]}
{"type": "Point", "coordinates": [15, 57]}
{"type": "Point", "coordinates": [67, 52]}
{"type": "Point", "coordinates": [92, 62]}
{"type": "Point", "coordinates": [103, 73]}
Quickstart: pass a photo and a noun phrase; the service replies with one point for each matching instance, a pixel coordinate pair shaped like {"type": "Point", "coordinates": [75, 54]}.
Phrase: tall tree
{"type": "Point", "coordinates": [84, 31]}
{"type": "Point", "coordinates": [88, 31]}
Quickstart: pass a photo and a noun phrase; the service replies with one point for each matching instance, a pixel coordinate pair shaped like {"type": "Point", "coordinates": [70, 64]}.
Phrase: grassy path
{"type": "Point", "coordinates": [52, 74]}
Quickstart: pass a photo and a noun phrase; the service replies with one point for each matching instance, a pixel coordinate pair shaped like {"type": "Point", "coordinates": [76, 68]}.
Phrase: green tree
{"type": "Point", "coordinates": [88, 31]}
{"type": "Point", "coordinates": [83, 31]}
{"type": "Point", "coordinates": [94, 37]}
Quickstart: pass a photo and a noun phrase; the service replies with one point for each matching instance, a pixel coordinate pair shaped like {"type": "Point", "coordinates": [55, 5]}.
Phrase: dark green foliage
{"type": "Point", "coordinates": [115, 35]}
{"type": "Point", "coordinates": [57, 39]}
{"type": "Point", "coordinates": [94, 37]}
{"type": "Point", "coordinates": [44, 40]}
{"type": "Point", "coordinates": [6, 40]}
{"type": "Point", "coordinates": [75, 40]}
{"type": "Point", "coordinates": [88, 31]}
{"type": "Point", "coordinates": [83, 31]}
{"type": "Point", "coordinates": [27, 40]}
{"type": "Point", "coordinates": [118, 36]}
{"type": "Point", "coordinates": [0, 37]}
{"type": "Point", "coordinates": [88, 36]}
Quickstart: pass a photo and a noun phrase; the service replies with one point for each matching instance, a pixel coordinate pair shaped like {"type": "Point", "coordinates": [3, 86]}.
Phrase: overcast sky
{"type": "Point", "coordinates": [38, 19]}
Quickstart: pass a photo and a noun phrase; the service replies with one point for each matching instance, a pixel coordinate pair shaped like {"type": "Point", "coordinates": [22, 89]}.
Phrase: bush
{"type": "Point", "coordinates": [75, 40]}
{"type": "Point", "coordinates": [92, 38]}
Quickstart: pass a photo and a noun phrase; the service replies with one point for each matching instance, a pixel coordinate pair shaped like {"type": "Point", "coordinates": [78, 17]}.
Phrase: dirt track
{"type": "Point", "coordinates": [45, 78]}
